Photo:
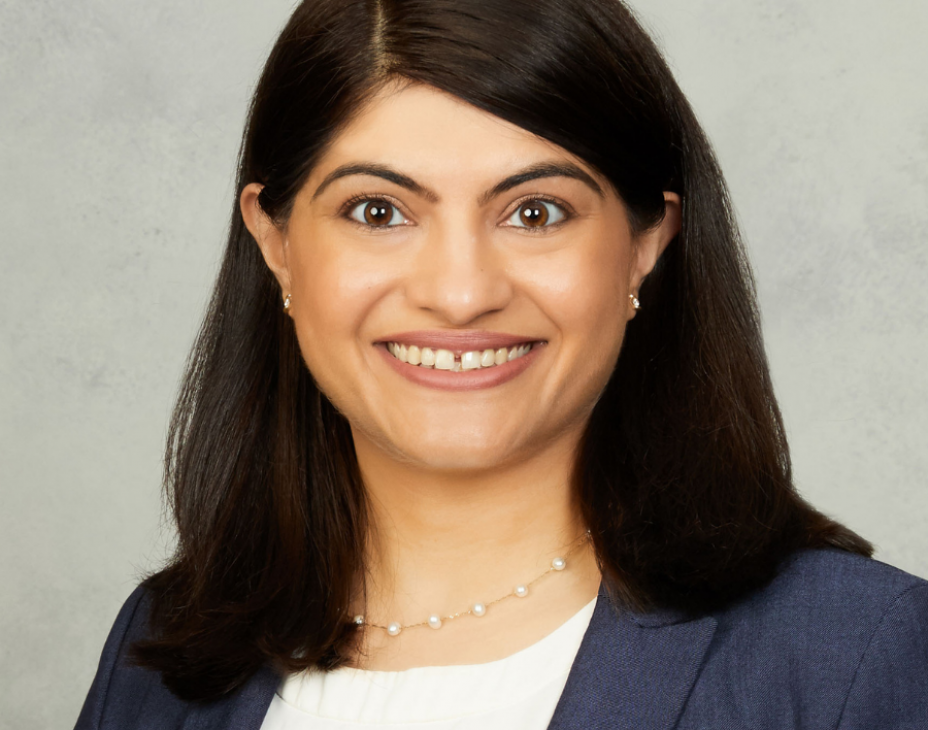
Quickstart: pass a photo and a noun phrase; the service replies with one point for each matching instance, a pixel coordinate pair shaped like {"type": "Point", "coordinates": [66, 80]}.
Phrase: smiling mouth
{"type": "Point", "coordinates": [440, 359]}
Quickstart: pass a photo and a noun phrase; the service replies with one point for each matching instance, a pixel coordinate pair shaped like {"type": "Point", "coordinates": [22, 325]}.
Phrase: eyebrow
{"type": "Point", "coordinates": [532, 172]}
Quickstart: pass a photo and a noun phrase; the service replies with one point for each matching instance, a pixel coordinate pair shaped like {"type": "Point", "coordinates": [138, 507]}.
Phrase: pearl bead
{"type": "Point", "coordinates": [359, 620]}
{"type": "Point", "coordinates": [394, 629]}
{"type": "Point", "coordinates": [521, 591]}
{"type": "Point", "coordinates": [435, 621]}
{"type": "Point", "coordinates": [559, 563]}
{"type": "Point", "coordinates": [478, 609]}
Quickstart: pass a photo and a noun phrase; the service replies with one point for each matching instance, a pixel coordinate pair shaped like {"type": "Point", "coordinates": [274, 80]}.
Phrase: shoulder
{"type": "Point", "coordinates": [118, 682]}
{"type": "Point", "coordinates": [124, 694]}
{"type": "Point", "coordinates": [822, 572]}
{"type": "Point", "coordinates": [837, 635]}
{"type": "Point", "coordinates": [824, 601]}
{"type": "Point", "coordinates": [828, 585]}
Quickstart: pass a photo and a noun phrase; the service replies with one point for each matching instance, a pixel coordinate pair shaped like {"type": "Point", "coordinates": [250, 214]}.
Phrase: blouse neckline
{"type": "Point", "coordinates": [439, 693]}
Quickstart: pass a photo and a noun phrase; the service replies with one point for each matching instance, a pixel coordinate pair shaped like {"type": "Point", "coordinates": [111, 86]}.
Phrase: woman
{"type": "Point", "coordinates": [479, 429]}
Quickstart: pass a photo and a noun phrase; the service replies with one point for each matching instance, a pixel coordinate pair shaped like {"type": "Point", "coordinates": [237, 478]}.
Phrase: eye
{"type": "Point", "coordinates": [537, 213]}
{"type": "Point", "coordinates": [376, 213]}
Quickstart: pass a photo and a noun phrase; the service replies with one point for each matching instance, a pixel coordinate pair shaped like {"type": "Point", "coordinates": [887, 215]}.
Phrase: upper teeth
{"type": "Point", "coordinates": [446, 360]}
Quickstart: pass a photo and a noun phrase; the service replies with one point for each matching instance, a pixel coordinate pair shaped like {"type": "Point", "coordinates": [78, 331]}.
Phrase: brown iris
{"type": "Point", "coordinates": [378, 213]}
{"type": "Point", "coordinates": [534, 215]}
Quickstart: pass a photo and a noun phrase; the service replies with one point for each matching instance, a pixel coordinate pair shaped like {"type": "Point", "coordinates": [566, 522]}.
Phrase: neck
{"type": "Point", "coordinates": [441, 539]}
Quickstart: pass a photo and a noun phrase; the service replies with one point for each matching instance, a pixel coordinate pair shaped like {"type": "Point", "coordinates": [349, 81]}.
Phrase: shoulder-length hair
{"type": "Point", "coordinates": [684, 473]}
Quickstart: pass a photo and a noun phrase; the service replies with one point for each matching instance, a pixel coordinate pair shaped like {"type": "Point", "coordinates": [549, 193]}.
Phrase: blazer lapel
{"type": "Point", "coordinates": [242, 710]}
{"type": "Point", "coordinates": [632, 671]}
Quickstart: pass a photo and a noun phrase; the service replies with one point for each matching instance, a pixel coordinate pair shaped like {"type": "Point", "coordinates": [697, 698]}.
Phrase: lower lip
{"type": "Point", "coordinates": [476, 379]}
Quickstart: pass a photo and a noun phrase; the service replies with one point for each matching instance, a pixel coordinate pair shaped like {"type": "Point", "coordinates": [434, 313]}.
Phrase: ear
{"type": "Point", "coordinates": [271, 239]}
{"type": "Point", "coordinates": [650, 244]}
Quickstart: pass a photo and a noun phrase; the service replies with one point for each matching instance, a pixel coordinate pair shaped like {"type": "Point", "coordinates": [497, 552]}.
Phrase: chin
{"type": "Point", "coordinates": [457, 451]}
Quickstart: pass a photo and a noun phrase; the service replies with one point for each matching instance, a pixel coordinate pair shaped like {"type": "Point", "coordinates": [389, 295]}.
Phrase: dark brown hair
{"type": "Point", "coordinates": [684, 474]}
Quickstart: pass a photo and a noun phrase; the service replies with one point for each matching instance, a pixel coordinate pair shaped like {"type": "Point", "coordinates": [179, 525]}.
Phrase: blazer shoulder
{"type": "Point", "coordinates": [839, 581]}
{"type": "Point", "coordinates": [822, 592]}
{"type": "Point", "coordinates": [131, 621]}
{"type": "Point", "coordinates": [890, 687]}
{"type": "Point", "coordinates": [825, 632]}
{"type": "Point", "coordinates": [125, 695]}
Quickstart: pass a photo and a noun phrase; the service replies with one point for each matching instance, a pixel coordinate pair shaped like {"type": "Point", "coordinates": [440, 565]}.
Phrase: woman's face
{"type": "Point", "coordinates": [460, 287]}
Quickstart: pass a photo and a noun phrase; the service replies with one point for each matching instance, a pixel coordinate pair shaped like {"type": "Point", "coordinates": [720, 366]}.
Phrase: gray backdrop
{"type": "Point", "coordinates": [119, 125]}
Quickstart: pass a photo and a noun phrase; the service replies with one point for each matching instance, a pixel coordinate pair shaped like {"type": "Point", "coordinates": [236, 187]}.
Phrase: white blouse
{"type": "Point", "coordinates": [520, 691]}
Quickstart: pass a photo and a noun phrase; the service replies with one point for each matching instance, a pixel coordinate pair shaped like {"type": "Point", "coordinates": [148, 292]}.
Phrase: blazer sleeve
{"type": "Point", "coordinates": [91, 716]}
{"type": "Point", "coordinates": [890, 688]}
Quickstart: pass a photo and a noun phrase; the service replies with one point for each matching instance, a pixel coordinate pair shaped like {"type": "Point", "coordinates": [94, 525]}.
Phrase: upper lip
{"type": "Point", "coordinates": [458, 341]}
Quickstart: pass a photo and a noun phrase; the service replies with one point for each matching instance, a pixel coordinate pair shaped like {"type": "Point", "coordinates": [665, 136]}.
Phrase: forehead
{"type": "Point", "coordinates": [433, 134]}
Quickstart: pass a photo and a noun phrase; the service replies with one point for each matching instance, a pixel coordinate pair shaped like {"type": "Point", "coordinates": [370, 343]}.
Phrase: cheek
{"type": "Point", "coordinates": [585, 294]}
{"type": "Point", "coordinates": [333, 291]}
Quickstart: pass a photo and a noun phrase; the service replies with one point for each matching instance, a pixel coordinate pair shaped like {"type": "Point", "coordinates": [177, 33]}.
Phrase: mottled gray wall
{"type": "Point", "coordinates": [119, 124]}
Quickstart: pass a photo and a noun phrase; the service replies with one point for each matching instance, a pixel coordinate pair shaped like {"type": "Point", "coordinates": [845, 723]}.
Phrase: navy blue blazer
{"type": "Point", "coordinates": [835, 641]}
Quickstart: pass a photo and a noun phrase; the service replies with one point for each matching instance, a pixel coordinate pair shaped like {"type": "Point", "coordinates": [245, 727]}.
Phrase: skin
{"type": "Point", "coordinates": [470, 491]}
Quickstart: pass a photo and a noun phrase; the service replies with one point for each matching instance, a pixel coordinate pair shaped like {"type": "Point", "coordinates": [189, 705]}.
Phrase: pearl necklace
{"type": "Point", "coordinates": [479, 608]}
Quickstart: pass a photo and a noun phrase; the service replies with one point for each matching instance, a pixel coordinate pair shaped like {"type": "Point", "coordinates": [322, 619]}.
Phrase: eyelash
{"type": "Point", "coordinates": [565, 209]}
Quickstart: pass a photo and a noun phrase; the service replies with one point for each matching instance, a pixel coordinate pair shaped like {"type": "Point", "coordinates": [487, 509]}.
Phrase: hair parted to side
{"type": "Point", "coordinates": [684, 473]}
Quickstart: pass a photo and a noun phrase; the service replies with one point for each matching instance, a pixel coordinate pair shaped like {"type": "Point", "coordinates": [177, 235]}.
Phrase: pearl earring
{"type": "Point", "coordinates": [635, 303]}
{"type": "Point", "coordinates": [287, 302]}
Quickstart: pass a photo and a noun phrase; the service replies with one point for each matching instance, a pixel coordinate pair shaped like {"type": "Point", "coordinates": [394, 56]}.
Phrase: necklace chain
{"type": "Point", "coordinates": [478, 608]}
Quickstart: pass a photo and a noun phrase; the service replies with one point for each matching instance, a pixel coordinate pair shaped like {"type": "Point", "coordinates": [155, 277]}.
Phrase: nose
{"type": "Point", "coordinates": [458, 274]}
